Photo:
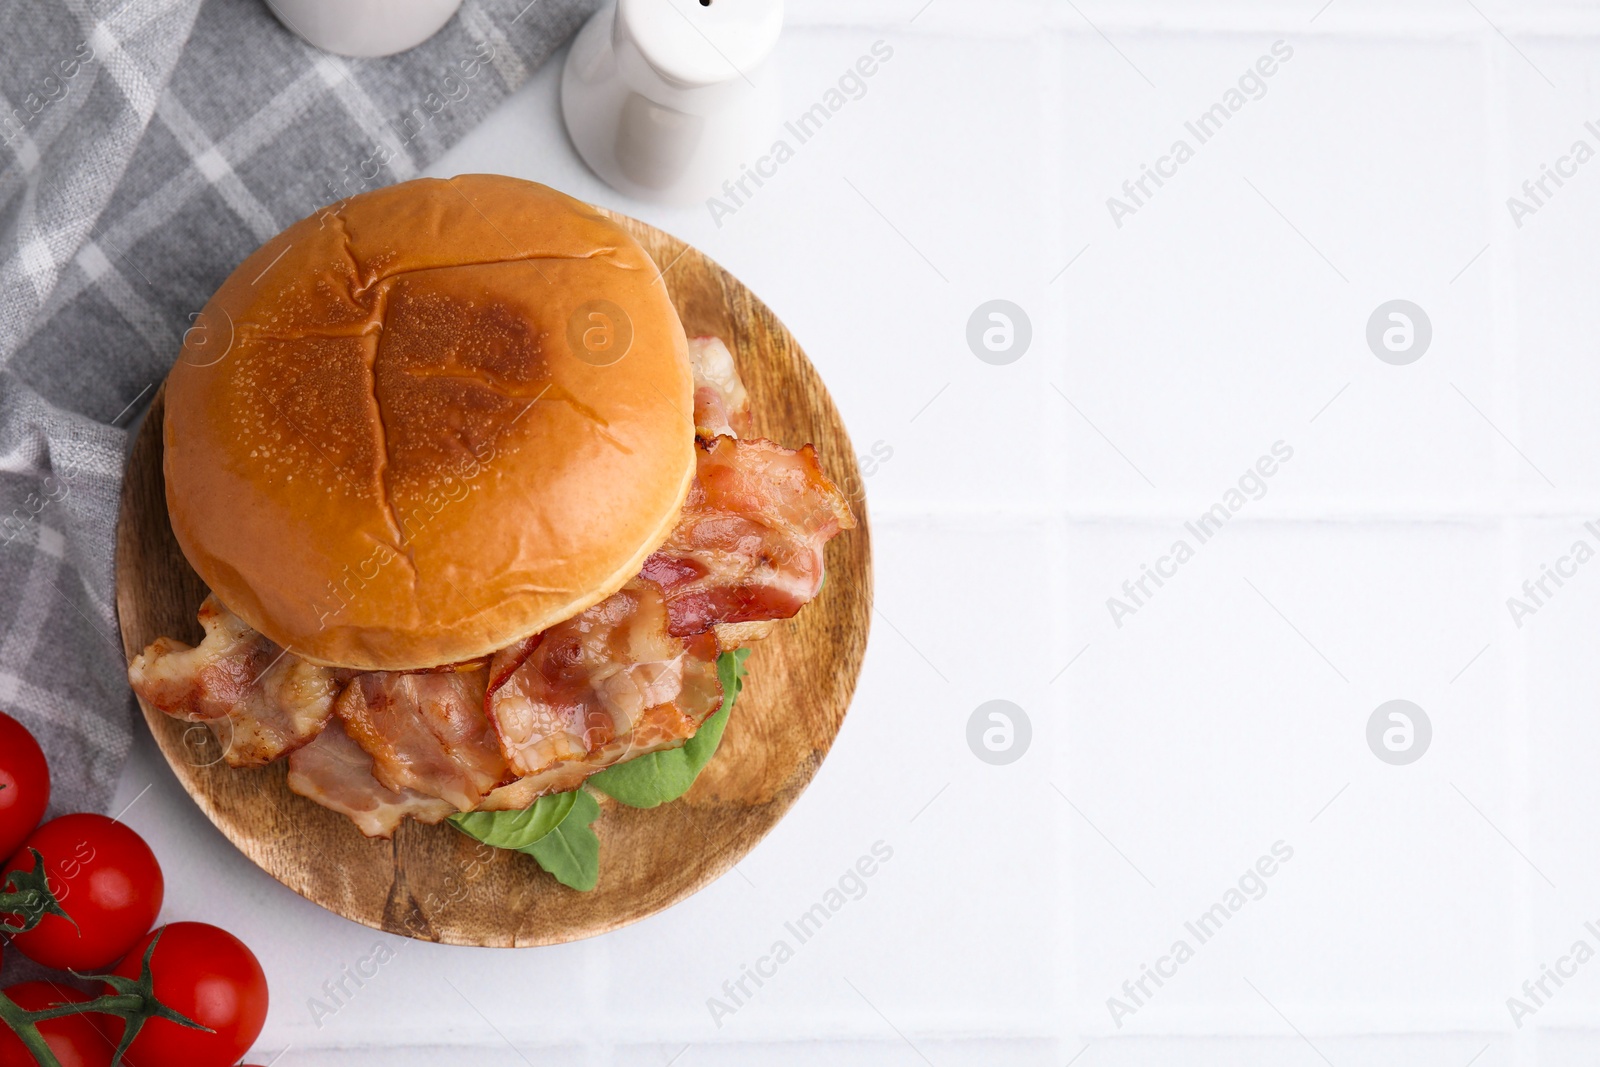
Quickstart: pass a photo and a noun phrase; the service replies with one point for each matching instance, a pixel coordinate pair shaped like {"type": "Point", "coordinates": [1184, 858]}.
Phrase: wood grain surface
{"type": "Point", "coordinates": [433, 883]}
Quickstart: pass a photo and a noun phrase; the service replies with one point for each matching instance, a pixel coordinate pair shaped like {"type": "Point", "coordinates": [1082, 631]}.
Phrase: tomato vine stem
{"type": "Point", "coordinates": [132, 1000]}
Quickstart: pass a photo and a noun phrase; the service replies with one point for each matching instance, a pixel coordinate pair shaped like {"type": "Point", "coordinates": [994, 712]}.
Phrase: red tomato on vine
{"type": "Point", "coordinates": [24, 785]}
{"type": "Point", "coordinates": [209, 976]}
{"type": "Point", "coordinates": [107, 889]}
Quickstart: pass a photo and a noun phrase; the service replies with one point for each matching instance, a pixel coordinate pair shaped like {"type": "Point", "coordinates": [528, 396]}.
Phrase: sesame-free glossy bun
{"type": "Point", "coordinates": [406, 433]}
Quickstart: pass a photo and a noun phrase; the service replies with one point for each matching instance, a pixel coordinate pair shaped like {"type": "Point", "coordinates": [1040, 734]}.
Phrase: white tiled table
{"type": "Point", "coordinates": [1229, 712]}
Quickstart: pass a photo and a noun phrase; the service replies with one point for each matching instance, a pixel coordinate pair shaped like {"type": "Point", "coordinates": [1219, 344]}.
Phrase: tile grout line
{"type": "Point", "coordinates": [1052, 57]}
{"type": "Point", "coordinates": [912, 511]}
{"type": "Point", "coordinates": [1347, 22]}
{"type": "Point", "coordinates": [1502, 296]}
{"type": "Point", "coordinates": [599, 1046]}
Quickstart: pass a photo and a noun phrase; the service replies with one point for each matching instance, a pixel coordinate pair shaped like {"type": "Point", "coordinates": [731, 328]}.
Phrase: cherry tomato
{"type": "Point", "coordinates": [75, 1040]}
{"type": "Point", "coordinates": [209, 976]}
{"type": "Point", "coordinates": [24, 785]}
{"type": "Point", "coordinates": [105, 877]}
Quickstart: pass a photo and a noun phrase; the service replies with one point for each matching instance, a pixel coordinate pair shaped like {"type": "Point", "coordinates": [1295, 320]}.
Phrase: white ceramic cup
{"type": "Point", "coordinates": [364, 27]}
{"type": "Point", "coordinates": [666, 99]}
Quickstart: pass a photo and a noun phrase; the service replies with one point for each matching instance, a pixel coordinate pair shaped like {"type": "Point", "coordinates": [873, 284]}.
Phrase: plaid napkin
{"type": "Point", "coordinates": [148, 147]}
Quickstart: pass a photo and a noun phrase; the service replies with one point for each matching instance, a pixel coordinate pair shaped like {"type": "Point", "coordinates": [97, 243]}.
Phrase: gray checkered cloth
{"type": "Point", "coordinates": [149, 146]}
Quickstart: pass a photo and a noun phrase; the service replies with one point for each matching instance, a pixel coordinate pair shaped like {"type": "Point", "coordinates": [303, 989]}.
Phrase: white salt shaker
{"type": "Point", "coordinates": [667, 99]}
{"type": "Point", "coordinates": [364, 27]}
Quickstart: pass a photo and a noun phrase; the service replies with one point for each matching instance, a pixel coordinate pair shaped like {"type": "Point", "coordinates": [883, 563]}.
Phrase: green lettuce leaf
{"type": "Point", "coordinates": [571, 851]}
{"type": "Point", "coordinates": [653, 779]}
{"type": "Point", "coordinates": [516, 829]}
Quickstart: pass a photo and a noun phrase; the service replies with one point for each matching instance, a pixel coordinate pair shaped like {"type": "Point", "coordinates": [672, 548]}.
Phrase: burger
{"type": "Point", "coordinates": [477, 519]}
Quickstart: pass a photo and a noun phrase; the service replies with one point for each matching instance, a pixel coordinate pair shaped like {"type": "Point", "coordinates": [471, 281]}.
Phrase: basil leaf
{"type": "Point", "coordinates": [516, 829]}
{"type": "Point", "coordinates": [571, 851]}
{"type": "Point", "coordinates": [653, 779]}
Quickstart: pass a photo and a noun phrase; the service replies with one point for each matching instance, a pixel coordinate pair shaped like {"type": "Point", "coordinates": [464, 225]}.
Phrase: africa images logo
{"type": "Point", "coordinates": [1399, 332]}
{"type": "Point", "coordinates": [999, 332]}
{"type": "Point", "coordinates": [999, 732]}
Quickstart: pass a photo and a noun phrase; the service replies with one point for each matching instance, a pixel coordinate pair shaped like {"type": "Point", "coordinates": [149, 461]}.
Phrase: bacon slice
{"type": "Point", "coordinates": [426, 732]}
{"type": "Point", "coordinates": [721, 404]}
{"type": "Point", "coordinates": [606, 685]}
{"type": "Point", "coordinates": [749, 544]}
{"type": "Point", "coordinates": [335, 772]}
{"type": "Point", "coordinates": [260, 701]}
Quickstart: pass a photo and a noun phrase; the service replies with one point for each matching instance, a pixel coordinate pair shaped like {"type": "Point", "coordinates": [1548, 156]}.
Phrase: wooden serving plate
{"type": "Point", "coordinates": [433, 883]}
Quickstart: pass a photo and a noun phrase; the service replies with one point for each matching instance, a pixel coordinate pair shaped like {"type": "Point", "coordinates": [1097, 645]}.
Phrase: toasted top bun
{"type": "Point", "coordinates": [432, 420]}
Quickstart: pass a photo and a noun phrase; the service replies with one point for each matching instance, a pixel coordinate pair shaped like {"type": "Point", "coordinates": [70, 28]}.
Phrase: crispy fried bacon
{"type": "Point", "coordinates": [635, 673]}
{"type": "Point", "coordinates": [335, 772]}
{"type": "Point", "coordinates": [259, 701]}
{"type": "Point", "coordinates": [426, 732]}
{"type": "Point", "coordinates": [605, 685]}
{"type": "Point", "coordinates": [749, 544]}
{"type": "Point", "coordinates": [721, 405]}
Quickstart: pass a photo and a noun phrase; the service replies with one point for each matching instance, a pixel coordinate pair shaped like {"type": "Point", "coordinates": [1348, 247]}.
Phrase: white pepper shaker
{"type": "Point", "coordinates": [667, 99]}
{"type": "Point", "coordinates": [364, 27]}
